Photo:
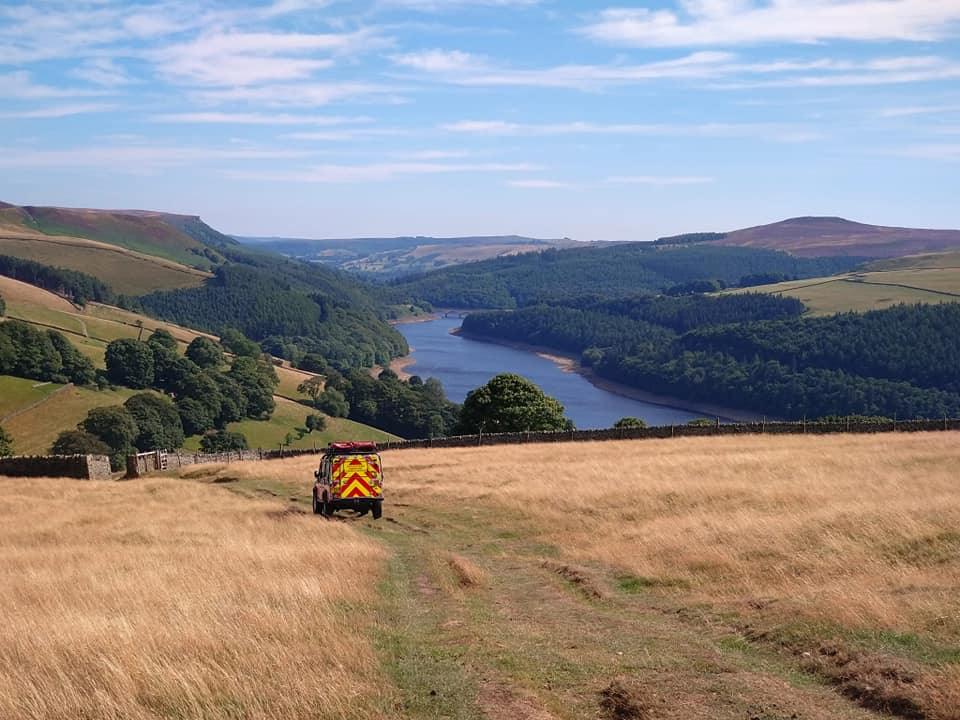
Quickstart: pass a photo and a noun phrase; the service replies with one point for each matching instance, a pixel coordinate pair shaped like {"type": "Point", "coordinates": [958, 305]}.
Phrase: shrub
{"type": "Point", "coordinates": [316, 422]}
{"type": "Point", "coordinates": [6, 443]}
{"type": "Point", "coordinates": [78, 442]}
{"type": "Point", "coordinates": [130, 363]}
{"type": "Point", "coordinates": [223, 441]}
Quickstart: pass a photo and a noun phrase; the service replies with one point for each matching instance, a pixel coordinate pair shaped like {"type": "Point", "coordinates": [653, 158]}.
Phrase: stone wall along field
{"type": "Point", "coordinates": [83, 467]}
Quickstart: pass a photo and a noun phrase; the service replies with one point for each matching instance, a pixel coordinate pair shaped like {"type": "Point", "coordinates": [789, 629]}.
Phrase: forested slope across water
{"type": "Point", "coordinates": [758, 354]}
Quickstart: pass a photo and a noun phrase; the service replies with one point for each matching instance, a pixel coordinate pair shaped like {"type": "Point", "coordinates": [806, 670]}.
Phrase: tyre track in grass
{"type": "Point", "coordinates": [540, 639]}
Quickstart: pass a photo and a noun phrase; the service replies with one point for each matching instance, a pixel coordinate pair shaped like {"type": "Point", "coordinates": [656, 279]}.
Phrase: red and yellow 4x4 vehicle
{"type": "Point", "coordinates": [350, 478]}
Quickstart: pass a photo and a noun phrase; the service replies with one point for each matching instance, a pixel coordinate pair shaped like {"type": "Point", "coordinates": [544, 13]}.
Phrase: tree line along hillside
{"type": "Point", "coordinates": [288, 320]}
{"type": "Point", "coordinates": [611, 271]}
{"type": "Point", "coordinates": [291, 306]}
{"type": "Point", "coordinates": [756, 352]}
{"type": "Point", "coordinates": [77, 286]}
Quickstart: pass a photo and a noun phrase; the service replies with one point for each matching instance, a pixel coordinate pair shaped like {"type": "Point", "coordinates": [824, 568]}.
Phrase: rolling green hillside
{"type": "Point", "coordinates": [289, 419]}
{"type": "Point", "coordinates": [293, 306]}
{"type": "Point", "coordinates": [160, 234]}
{"type": "Point", "coordinates": [609, 271]}
{"type": "Point", "coordinates": [126, 272]}
{"type": "Point", "coordinates": [908, 280]}
{"type": "Point", "coordinates": [401, 256]}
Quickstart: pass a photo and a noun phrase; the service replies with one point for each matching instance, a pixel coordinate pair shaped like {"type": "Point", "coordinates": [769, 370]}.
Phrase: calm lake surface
{"type": "Point", "coordinates": [463, 365]}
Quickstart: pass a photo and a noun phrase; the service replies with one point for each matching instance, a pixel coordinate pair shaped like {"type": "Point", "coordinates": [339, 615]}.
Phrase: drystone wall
{"type": "Point", "coordinates": [83, 467]}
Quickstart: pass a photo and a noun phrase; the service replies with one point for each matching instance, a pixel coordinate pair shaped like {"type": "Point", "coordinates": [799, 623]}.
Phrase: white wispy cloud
{"type": "Point", "coordinates": [102, 71]}
{"type": "Point", "coordinates": [56, 111]}
{"type": "Point", "coordinates": [909, 110]}
{"type": "Point", "coordinates": [720, 69]}
{"type": "Point", "coordinates": [949, 152]}
{"type": "Point", "coordinates": [378, 172]}
{"type": "Point", "coordinates": [772, 131]}
{"type": "Point", "coordinates": [659, 180]}
{"type": "Point", "coordinates": [440, 61]}
{"type": "Point", "coordinates": [19, 85]}
{"type": "Point", "coordinates": [297, 95]}
{"type": "Point", "coordinates": [340, 134]}
{"type": "Point", "coordinates": [255, 118]}
{"type": "Point", "coordinates": [432, 154]}
{"type": "Point", "coordinates": [737, 22]}
{"type": "Point", "coordinates": [536, 184]}
{"type": "Point", "coordinates": [136, 158]}
{"type": "Point", "coordinates": [239, 59]}
{"type": "Point", "coordinates": [440, 5]}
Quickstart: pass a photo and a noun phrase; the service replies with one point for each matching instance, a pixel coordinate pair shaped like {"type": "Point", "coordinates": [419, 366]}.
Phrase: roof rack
{"type": "Point", "coordinates": [347, 448]}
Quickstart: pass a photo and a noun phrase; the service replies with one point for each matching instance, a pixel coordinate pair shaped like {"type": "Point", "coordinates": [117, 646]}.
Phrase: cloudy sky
{"type": "Point", "coordinates": [324, 118]}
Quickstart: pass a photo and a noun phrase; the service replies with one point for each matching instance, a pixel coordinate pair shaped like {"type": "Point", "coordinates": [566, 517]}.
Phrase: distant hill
{"type": "Point", "coordinates": [182, 239]}
{"type": "Point", "coordinates": [834, 236]}
{"type": "Point", "coordinates": [396, 256]}
{"type": "Point", "coordinates": [178, 268]}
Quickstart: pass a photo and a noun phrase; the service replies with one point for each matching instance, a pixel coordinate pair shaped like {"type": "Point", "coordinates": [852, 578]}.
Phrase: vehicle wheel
{"type": "Point", "coordinates": [317, 506]}
{"type": "Point", "coordinates": [327, 509]}
{"type": "Point", "coordinates": [377, 510]}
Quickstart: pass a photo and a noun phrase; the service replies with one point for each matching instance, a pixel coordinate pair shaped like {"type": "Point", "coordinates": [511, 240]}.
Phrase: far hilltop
{"type": "Point", "coordinates": [833, 236]}
{"type": "Point", "coordinates": [396, 256]}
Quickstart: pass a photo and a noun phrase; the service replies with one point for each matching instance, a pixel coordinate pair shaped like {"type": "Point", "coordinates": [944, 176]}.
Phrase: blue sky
{"type": "Point", "coordinates": [320, 118]}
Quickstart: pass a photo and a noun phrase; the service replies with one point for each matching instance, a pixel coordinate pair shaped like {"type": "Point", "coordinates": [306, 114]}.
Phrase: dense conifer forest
{"type": "Point", "coordinates": [610, 271]}
{"type": "Point", "coordinates": [755, 352]}
{"type": "Point", "coordinates": [77, 286]}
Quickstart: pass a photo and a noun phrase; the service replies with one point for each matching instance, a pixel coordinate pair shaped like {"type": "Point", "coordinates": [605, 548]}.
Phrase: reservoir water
{"type": "Point", "coordinates": [462, 365]}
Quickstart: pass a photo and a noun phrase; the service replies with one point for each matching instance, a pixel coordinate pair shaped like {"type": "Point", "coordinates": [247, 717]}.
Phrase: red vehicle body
{"type": "Point", "coordinates": [350, 477]}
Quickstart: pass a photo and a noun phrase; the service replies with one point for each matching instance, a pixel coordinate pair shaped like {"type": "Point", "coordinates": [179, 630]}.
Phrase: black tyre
{"type": "Point", "coordinates": [328, 509]}
{"type": "Point", "coordinates": [317, 506]}
{"type": "Point", "coordinates": [377, 509]}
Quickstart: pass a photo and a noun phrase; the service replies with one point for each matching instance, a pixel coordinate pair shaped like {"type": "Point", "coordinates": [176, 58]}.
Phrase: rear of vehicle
{"type": "Point", "coordinates": [350, 478]}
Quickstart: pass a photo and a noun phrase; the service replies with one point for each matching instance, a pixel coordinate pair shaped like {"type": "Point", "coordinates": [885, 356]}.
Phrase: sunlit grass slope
{"type": "Point", "coordinates": [904, 282]}
{"type": "Point", "coordinates": [35, 429]}
{"type": "Point", "coordinates": [126, 271]}
{"type": "Point", "coordinates": [94, 326]}
{"type": "Point", "coordinates": [290, 418]}
{"type": "Point", "coordinates": [19, 393]}
{"type": "Point", "coordinates": [172, 599]}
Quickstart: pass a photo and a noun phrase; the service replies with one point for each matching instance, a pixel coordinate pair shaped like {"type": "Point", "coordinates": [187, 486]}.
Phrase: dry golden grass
{"type": "Point", "coordinates": [858, 530]}
{"type": "Point", "coordinates": [845, 542]}
{"type": "Point", "coordinates": [862, 531]}
{"type": "Point", "coordinates": [172, 599]}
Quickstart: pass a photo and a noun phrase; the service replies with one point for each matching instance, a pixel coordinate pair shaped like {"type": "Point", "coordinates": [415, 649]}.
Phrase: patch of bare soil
{"type": "Point", "coordinates": [500, 702]}
{"type": "Point", "coordinates": [884, 684]}
{"type": "Point", "coordinates": [579, 577]}
{"type": "Point", "coordinates": [622, 701]}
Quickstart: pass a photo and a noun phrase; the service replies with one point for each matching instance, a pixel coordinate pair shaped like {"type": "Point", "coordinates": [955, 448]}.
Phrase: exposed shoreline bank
{"type": "Point", "coordinates": [568, 363]}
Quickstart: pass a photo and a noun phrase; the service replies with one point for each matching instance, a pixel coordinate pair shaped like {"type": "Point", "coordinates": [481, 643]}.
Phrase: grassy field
{"type": "Point", "coordinates": [92, 327]}
{"type": "Point", "coordinates": [171, 599]}
{"type": "Point", "coordinates": [18, 393]}
{"type": "Point", "coordinates": [126, 271]}
{"type": "Point", "coordinates": [911, 262]}
{"type": "Point", "coordinates": [35, 430]}
{"type": "Point", "coordinates": [289, 417]}
{"type": "Point", "coordinates": [757, 577]}
{"type": "Point", "coordinates": [874, 290]}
